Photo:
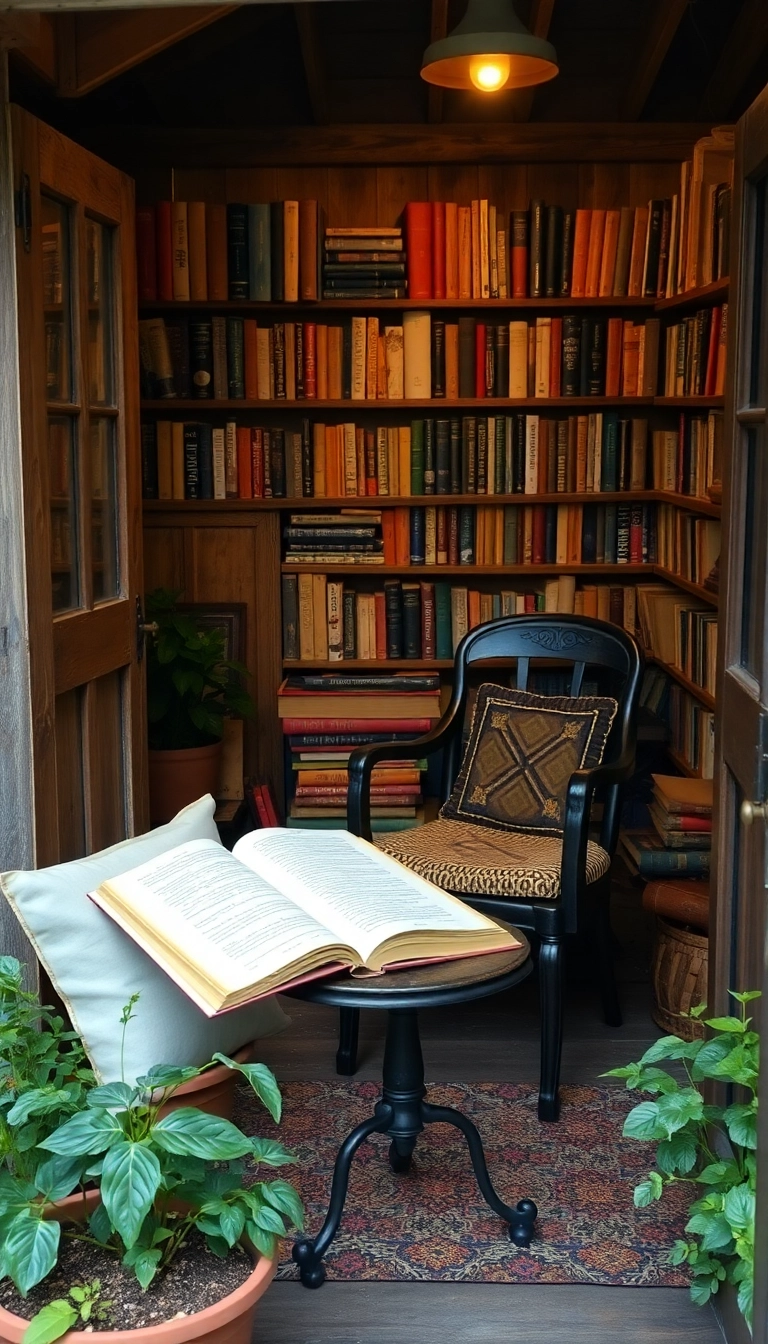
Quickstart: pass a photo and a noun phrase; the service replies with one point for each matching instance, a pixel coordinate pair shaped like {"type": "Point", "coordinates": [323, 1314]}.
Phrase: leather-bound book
{"type": "Point", "coordinates": [465, 251]}
{"type": "Point", "coordinates": [451, 250]}
{"type": "Point", "coordinates": [623, 251]}
{"type": "Point", "coordinates": [581, 234]}
{"type": "Point", "coordinates": [418, 236]}
{"type": "Point", "coordinates": [438, 358]}
{"type": "Point", "coordinates": [237, 251]}
{"type": "Point", "coordinates": [216, 252]}
{"type": "Point", "coordinates": [480, 361]}
{"type": "Point", "coordinates": [652, 248]}
{"type": "Point", "coordinates": [438, 250]}
{"type": "Point", "coordinates": [198, 269]}
{"type": "Point", "coordinates": [519, 253]}
{"type": "Point", "coordinates": [610, 246]}
{"type": "Point", "coordinates": [594, 253]}
{"type": "Point", "coordinates": [554, 249]}
{"type": "Point", "coordinates": [310, 250]}
{"type": "Point", "coordinates": [260, 252]}
{"type": "Point", "coordinates": [685, 901]}
{"type": "Point", "coordinates": [250, 354]}
{"type": "Point", "coordinates": [613, 357]}
{"type": "Point", "coordinates": [277, 251]}
{"type": "Point", "coordinates": [467, 327]}
{"type": "Point", "coordinates": [537, 254]}
{"type": "Point", "coordinates": [637, 255]}
{"type": "Point", "coordinates": [291, 251]}
{"type": "Point", "coordinates": [566, 252]}
{"type": "Point", "coordinates": [180, 245]}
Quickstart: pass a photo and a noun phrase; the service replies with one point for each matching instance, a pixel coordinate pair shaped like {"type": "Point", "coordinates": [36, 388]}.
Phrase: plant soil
{"type": "Point", "coordinates": [195, 1279]}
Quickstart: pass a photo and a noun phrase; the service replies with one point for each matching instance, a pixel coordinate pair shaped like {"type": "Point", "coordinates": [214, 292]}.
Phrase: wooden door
{"type": "Point", "coordinates": [82, 490]}
{"type": "Point", "coordinates": [738, 954]}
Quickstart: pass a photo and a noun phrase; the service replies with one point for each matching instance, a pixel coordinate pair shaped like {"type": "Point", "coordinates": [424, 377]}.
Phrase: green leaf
{"type": "Point", "coordinates": [111, 1094]}
{"type": "Point", "coordinates": [670, 1047]}
{"type": "Point", "coordinates": [701, 1291]}
{"type": "Point", "coordinates": [30, 1248]}
{"type": "Point", "coordinates": [714, 1230]}
{"type": "Point", "coordinates": [58, 1177]}
{"type": "Point", "coordinates": [677, 1154]}
{"type": "Point", "coordinates": [648, 1190]}
{"type": "Point", "coordinates": [232, 1222]}
{"type": "Point", "coordinates": [38, 1101]}
{"type": "Point", "coordinates": [718, 1172]}
{"type": "Point", "coordinates": [643, 1122]}
{"type": "Point", "coordinates": [129, 1182]}
{"type": "Point", "coordinates": [262, 1081]}
{"type": "Point", "coordinates": [739, 1207]}
{"type": "Point", "coordinates": [282, 1196]}
{"type": "Point", "coordinates": [263, 1241]}
{"type": "Point", "coordinates": [725, 1024]}
{"type": "Point", "coordinates": [676, 1109]}
{"type": "Point", "coordinates": [100, 1225]}
{"type": "Point", "coordinates": [195, 1134]}
{"type": "Point", "coordinates": [741, 1122]}
{"type": "Point", "coordinates": [709, 1057]}
{"type": "Point", "coordinates": [168, 1075]}
{"type": "Point", "coordinates": [51, 1322]}
{"type": "Point", "coordinates": [218, 1245]}
{"type": "Point", "coordinates": [87, 1132]}
{"type": "Point", "coordinates": [271, 1153]}
{"type": "Point", "coordinates": [745, 996]}
{"type": "Point", "coordinates": [679, 1253]}
{"type": "Point", "coordinates": [270, 1220]}
{"type": "Point", "coordinates": [745, 1299]}
{"type": "Point", "coordinates": [144, 1264]}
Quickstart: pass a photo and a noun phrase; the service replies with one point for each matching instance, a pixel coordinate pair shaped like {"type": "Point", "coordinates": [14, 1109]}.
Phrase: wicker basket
{"type": "Point", "coordinates": [679, 973]}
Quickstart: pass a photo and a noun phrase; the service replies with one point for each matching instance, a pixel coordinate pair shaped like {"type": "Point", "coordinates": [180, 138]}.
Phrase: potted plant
{"type": "Point", "coordinates": [712, 1147]}
{"type": "Point", "coordinates": [44, 1072]}
{"type": "Point", "coordinates": [152, 1186]}
{"type": "Point", "coordinates": [191, 688]}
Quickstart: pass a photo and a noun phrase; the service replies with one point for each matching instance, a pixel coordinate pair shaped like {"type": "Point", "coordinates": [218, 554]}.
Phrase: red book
{"type": "Point", "coordinates": [310, 361]}
{"type": "Point", "coordinates": [388, 534]}
{"type": "Point", "coordinates": [371, 478]}
{"type": "Point", "coordinates": [473, 608]}
{"type": "Point", "coordinates": [480, 359]}
{"type": "Point", "coordinates": [519, 250]}
{"type": "Point", "coordinates": [244, 469]}
{"type": "Point", "coordinates": [530, 602]}
{"type": "Point", "coordinates": [418, 243]}
{"type": "Point", "coordinates": [636, 536]}
{"type": "Point", "coordinates": [381, 627]}
{"type": "Point", "coordinates": [555, 356]}
{"type": "Point", "coordinates": [164, 250]}
{"type": "Point", "coordinates": [714, 342]}
{"type": "Point", "coordinates": [453, 535]}
{"type": "Point", "coordinates": [269, 803]}
{"type": "Point", "coordinates": [291, 726]}
{"type": "Point", "coordinates": [261, 806]}
{"type": "Point", "coordinates": [539, 534]}
{"type": "Point", "coordinates": [613, 357]}
{"type": "Point", "coordinates": [146, 252]}
{"type": "Point", "coordinates": [257, 462]}
{"type": "Point", "coordinates": [438, 249]}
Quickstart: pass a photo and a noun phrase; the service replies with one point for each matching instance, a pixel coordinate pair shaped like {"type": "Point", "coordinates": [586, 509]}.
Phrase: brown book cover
{"type": "Point", "coordinates": [581, 235]}
{"type": "Point", "coordinates": [630, 359]}
{"type": "Point", "coordinates": [594, 253]}
{"type": "Point", "coordinates": [623, 250]}
{"type": "Point", "coordinates": [465, 252]}
{"type": "Point", "coordinates": [451, 250]}
{"type": "Point", "coordinates": [198, 269]}
{"type": "Point", "coordinates": [216, 252]}
{"type": "Point", "coordinates": [371, 358]}
{"type": "Point", "coordinates": [608, 259]}
{"type": "Point", "coordinates": [650, 357]}
{"type": "Point", "coordinates": [637, 256]}
{"type": "Point", "coordinates": [334, 363]}
{"type": "Point", "coordinates": [250, 358]}
{"type": "Point", "coordinates": [613, 357]}
{"type": "Point", "coordinates": [309, 249]}
{"type": "Point", "coordinates": [451, 360]}
{"type": "Point", "coordinates": [686, 901]}
{"type": "Point", "coordinates": [180, 245]}
{"type": "Point", "coordinates": [556, 356]}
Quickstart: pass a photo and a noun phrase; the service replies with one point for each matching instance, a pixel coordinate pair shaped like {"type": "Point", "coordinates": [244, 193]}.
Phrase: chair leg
{"type": "Point", "coordinates": [605, 942]}
{"type": "Point", "coordinates": [551, 1000]}
{"type": "Point", "coordinates": [346, 1055]}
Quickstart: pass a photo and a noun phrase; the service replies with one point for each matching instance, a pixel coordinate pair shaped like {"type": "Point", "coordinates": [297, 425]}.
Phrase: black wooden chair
{"type": "Point", "coordinates": [578, 900]}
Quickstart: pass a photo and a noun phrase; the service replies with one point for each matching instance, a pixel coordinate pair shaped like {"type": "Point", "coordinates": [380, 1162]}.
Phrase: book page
{"type": "Point", "coordinates": [364, 896]}
{"type": "Point", "coordinates": [229, 922]}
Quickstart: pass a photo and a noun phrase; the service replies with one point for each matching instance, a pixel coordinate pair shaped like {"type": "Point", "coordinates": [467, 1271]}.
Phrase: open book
{"type": "Point", "coordinates": [283, 906]}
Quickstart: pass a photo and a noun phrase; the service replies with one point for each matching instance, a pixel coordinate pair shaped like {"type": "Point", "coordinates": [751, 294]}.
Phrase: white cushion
{"type": "Point", "coordinates": [95, 967]}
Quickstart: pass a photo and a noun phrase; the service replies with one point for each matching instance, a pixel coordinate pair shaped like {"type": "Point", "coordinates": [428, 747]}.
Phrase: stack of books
{"type": "Point", "coordinates": [680, 632]}
{"type": "Point", "coordinates": [689, 460]}
{"type": "Point", "coordinates": [364, 263]}
{"type": "Point", "coordinates": [352, 537]}
{"type": "Point", "coordinates": [694, 360]}
{"type": "Point", "coordinates": [681, 839]}
{"type": "Point", "coordinates": [326, 717]}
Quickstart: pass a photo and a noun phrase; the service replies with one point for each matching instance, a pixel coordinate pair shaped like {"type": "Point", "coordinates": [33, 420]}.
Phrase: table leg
{"type": "Point", "coordinates": [403, 1085]}
{"type": "Point", "coordinates": [523, 1216]}
{"type": "Point", "coordinates": [308, 1253]}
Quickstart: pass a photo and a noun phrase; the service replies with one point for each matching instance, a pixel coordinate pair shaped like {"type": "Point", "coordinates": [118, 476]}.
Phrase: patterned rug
{"type": "Point", "coordinates": [432, 1224]}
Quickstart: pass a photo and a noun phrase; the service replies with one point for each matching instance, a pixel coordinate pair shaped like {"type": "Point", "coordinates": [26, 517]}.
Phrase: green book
{"type": "Point", "coordinates": [510, 534]}
{"type": "Point", "coordinates": [609, 465]}
{"type": "Point", "coordinates": [443, 637]}
{"type": "Point", "coordinates": [339, 824]}
{"type": "Point", "coordinates": [417, 457]}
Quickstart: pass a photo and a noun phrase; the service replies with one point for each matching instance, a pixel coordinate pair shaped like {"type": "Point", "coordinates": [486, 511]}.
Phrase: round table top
{"type": "Point", "coordinates": [428, 986]}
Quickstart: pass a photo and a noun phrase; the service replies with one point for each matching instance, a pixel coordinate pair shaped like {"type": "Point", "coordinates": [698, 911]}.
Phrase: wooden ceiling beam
{"type": "Point", "coordinates": [311, 55]}
{"type": "Point", "coordinates": [743, 48]}
{"type": "Point", "coordinates": [33, 46]}
{"type": "Point", "coordinates": [438, 29]}
{"type": "Point", "coordinates": [96, 47]}
{"type": "Point", "coordinates": [663, 27]}
{"type": "Point", "coordinates": [539, 22]}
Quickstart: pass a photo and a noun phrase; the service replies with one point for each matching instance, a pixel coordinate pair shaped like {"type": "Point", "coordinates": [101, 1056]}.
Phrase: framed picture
{"type": "Point", "coordinates": [229, 617]}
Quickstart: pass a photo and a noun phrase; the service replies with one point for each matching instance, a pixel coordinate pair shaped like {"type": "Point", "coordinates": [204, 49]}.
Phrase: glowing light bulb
{"type": "Point", "coordinates": [489, 73]}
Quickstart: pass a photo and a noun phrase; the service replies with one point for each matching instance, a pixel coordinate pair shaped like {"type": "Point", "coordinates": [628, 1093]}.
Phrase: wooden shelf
{"type": "Point", "coordinates": [378, 502]}
{"type": "Point", "coordinates": [691, 503]}
{"type": "Point", "coordinates": [694, 298]}
{"type": "Point", "coordinates": [468, 571]}
{"type": "Point", "coordinates": [698, 692]}
{"type": "Point", "coordinates": [369, 665]}
{"type": "Point", "coordinates": [695, 589]}
{"type": "Point", "coordinates": [433, 404]}
{"type": "Point", "coordinates": [690, 403]}
{"type": "Point", "coordinates": [682, 764]}
{"type": "Point", "coordinates": [352, 305]}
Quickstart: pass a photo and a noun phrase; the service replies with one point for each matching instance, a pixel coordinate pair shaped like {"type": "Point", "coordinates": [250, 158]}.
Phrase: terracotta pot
{"type": "Point", "coordinates": [229, 1321]}
{"type": "Point", "coordinates": [213, 1091]}
{"type": "Point", "coordinates": [177, 778]}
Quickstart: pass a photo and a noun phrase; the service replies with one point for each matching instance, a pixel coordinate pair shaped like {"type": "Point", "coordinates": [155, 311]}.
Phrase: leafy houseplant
{"type": "Point", "coordinates": [44, 1073]}
{"type": "Point", "coordinates": [153, 1180]}
{"type": "Point", "coordinates": [191, 688]}
{"type": "Point", "coordinates": [712, 1147]}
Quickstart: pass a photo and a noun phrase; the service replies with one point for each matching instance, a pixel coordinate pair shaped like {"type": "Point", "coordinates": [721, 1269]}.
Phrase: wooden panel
{"type": "Point", "coordinates": [200, 184]}
{"type": "Point", "coordinates": [106, 44]}
{"type": "Point", "coordinates": [103, 761]}
{"type": "Point", "coordinates": [604, 186]}
{"type": "Point", "coordinates": [268, 669]}
{"type": "Point", "coordinates": [352, 195]}
{"type": "Point", "coordinates": [163, 556]}
{"type": "Point", "coordinates": [67, 796]}
{"type": "Point", "coordinates": [250, 184]}
{"type": "Point", "coordinates": [649, 181]}
{"type": "Point", "coordinates": [307, 184]}
{"type": "Point", "coordinates": [77, 175]}
{"type": "Point", "coordinates": [507, 186]}
{"type": "Point", "coordinates": [90, 643]}
{"type": "Point", "coordinates": [555, 183]}
{"type": "Point", "coordinates": [453, 182]}
{"type": "Point", "coordinates": [395, 186]}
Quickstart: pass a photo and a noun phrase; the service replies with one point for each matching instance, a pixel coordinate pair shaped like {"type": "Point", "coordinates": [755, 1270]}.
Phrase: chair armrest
{"type": "Point", "coordinates": [578, 798]}
{"type": "Point", "coordinates": [363, 759]}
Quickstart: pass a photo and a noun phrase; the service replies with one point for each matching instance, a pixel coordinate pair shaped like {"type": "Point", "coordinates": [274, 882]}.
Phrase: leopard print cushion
{"type": "Point", "coordinates": [471, 860]}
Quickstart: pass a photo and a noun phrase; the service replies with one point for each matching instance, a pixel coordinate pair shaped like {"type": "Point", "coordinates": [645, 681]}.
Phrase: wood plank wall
{"type": "Point", "coordinates": [235, 557]}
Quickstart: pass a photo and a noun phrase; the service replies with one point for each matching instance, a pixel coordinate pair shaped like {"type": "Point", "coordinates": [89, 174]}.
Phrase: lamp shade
{"type": "Point", "coordinates": [489, 50]}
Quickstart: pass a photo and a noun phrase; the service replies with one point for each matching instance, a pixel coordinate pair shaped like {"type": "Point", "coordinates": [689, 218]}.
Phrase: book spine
{"type": "Point", "coordinates": [418, 233]}
{"type": "Point", "coordinates": [191, 470]}
{"type": "Point", "coordinates": [394, 617]}
{"type": "Point", "coordinates": [519, 253]}
{"type": "Point", "coordinates": [411, 620]}
{"type": "Point", "coordinates": [180, 243]}
{"type": "Point", "coordinates": [537, 253]}
{"type": "Point", "coordinates": [438, 357]}
{"type": "Point", "coordinates": [237, 251]}
{"type": "Point", "coordinates": [201, 359]}
{"type": "Point", "coordinates": [418, 537]}
{"type": "Point", "coordinates": [290, 608]}
{"type": "Point", "coordinates": [235, 358]}
{"type": "Point", "coordinates": [205, 461]}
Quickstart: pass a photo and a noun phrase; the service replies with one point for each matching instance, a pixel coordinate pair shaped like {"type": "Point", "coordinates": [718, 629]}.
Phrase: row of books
{"type": "Point", "coordinates": [190, 251]}
{"type": "Point", "coordinates": [689, 460]}
{"type": "Point", "coordinates": [493, 455]}
{"type": "Point", "coordinates": [360, 262]}
{"type": "Point", "coordinates": [325, 717]}
{"type": "Point", "coordinates": [692, 731]}
{"type": "Point", "coordinates": [468, 534]}
{"type": "Point", "coordinates": [468, 252]}
{"type": "Point", "coordinates": [679, 632]}
{"type": "Point", "coordinates": [327, 620]}
{"type": "Point", "coordinates": [687, 545]}
{"type": "Point", "coordinates": [695, 353]}
{"type": "Point", "coordinates": [420, 358]}
{"type": "Point", "coordinates": [680, 842]}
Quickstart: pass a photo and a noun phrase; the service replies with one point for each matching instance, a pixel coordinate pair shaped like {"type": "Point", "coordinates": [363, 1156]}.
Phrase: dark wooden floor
{"type": "Point", "coordinates": [492, 1039]}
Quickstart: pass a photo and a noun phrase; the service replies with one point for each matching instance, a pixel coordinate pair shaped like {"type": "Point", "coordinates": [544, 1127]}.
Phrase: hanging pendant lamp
{"type": "Point", "coordinates": [489, 50]}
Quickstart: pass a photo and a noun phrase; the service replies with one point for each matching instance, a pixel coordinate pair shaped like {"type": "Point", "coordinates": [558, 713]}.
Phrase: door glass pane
{"type": "Point", "coordinates": [56, 299]}
{"type": "Point", "coordinates": [100, 298]}
{"type": "Point", "coordinates": [104, 508]}
{"type": "Point", "coordinates": [63, 504]}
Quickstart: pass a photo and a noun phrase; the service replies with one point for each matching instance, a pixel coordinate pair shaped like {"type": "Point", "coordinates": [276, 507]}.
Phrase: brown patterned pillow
{"type": "Point", "coordinates": [522, 750]}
